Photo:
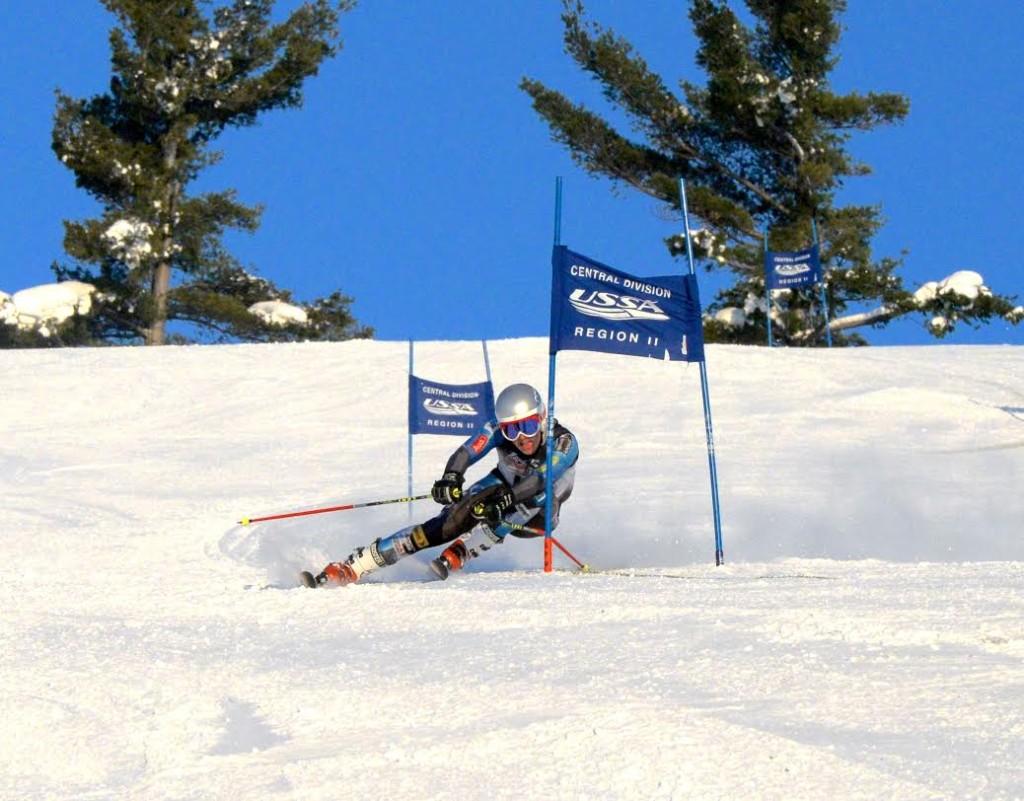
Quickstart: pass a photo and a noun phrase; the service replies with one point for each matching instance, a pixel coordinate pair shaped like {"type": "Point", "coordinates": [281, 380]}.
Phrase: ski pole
{"type": "Point", "coordinates": [540, 532]}
{"type": "Point", "coordinates": [563, 549]}
{"type": "Point", "coordinates": [247, 520]}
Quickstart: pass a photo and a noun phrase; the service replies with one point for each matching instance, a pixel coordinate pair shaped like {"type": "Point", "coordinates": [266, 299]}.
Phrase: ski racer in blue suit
{"type": "Point", "coordinates": [503, 502]}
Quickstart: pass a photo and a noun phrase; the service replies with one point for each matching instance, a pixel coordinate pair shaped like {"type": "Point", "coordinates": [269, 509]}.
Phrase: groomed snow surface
{"type": "Point", "coordinates": [865, 639]}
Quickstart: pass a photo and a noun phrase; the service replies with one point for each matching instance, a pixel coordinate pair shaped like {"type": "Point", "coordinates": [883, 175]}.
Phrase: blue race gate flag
{"type": "Point", "coordinates": [458, 409]}
{"type": "Point", "coordinates": [795, 269]}
{"type": "Point", "coordinates": [596, 307]}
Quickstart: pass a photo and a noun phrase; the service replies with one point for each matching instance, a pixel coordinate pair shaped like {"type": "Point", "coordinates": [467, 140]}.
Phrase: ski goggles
{"type": "Point", "coordinates": [521, 428]}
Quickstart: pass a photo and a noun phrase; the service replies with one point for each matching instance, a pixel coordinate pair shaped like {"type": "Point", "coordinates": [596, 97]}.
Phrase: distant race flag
{"type": "Point", "coordinates": [458, 409]}
{"type": "Point", "coordinates": [596, 307]}
{"type": "Point", "coordinates": [791, 270]}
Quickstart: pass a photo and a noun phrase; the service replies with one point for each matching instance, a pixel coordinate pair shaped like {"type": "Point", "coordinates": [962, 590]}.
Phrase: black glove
{"type": "Point", "coordinates": [494, 507]}
{"type": "Point", "coordinates": [448, 488]}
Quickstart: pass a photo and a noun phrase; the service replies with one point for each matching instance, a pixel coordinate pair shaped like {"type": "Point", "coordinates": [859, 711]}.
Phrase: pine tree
{"type": "Point", "coordinates": [182, 73]}
{"type": "Point", "coordinates": [762, 147]}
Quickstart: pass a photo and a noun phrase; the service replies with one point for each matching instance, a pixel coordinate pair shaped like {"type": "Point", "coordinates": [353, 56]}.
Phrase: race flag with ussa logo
{"type": "Point", "coordinates": [596, 307]}
{"type": "Point", "coordinates": [458, 409]}
{"type": "Point", "coordinates": [795, 269]}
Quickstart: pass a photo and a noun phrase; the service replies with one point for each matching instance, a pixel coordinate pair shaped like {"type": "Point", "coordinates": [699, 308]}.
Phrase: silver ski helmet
{"type": "Point", "coordinates": [517, 402]}
{"type": "Point", "coordinates": [520, 412]}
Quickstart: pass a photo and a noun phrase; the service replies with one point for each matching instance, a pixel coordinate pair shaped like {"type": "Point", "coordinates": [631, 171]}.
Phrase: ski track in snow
{"type": "Point", "coordinates": [864, 640]}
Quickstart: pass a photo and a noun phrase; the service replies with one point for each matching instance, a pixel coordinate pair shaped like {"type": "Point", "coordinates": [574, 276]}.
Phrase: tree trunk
{"type": "Point", "coordinates": [161, 282]}
{"type": "Point", "coordinates": [157, 333]}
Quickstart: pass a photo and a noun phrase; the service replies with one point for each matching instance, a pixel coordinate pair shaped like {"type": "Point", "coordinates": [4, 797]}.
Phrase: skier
{"type": "Point", "coordinates": [476, 520]}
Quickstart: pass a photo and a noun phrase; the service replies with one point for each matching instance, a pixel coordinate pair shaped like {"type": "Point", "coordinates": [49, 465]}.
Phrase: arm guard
{"type": "Point", "coordinates": [473, 449]}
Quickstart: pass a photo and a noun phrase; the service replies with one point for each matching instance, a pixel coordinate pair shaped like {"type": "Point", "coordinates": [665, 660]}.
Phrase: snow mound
{"type": "Point", "coordinates": [967, 283]}
{"type": "Point", "coordinates": [48, 303]}
{"type": "Point", "coordinates": [277, 312]}
{"type": "Point", "coordinates": [130, 240]}
{"type": "Point", "coordinates": [731, 316]}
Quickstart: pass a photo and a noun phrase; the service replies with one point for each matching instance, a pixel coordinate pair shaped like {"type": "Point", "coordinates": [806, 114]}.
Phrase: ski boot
{"type": "Point", "coordinates": [469, 546]}
{"type": "Point", "coordinates": [453, 558]}
{"type": "Point", "coordinates": [338, 574]}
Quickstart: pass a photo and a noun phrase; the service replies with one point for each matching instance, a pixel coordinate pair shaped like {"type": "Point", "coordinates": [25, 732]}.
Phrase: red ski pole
{"type": "Point", "coordinates": [565, 550]}
{"type": "Point", "coordinates": [540, 532]}
{"type": "Point", "coordinates": [247, 520]}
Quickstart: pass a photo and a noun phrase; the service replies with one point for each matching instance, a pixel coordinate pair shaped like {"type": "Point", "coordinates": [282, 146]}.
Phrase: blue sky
{"type": "Point", "coordinates": [417, 178]}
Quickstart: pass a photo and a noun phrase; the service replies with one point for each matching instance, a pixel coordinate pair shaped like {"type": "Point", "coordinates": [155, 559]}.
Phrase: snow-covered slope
{"type": "Point", "coordinates": [864, 640]}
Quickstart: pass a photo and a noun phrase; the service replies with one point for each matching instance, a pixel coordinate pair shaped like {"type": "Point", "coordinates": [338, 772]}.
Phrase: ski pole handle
{"type": "Point", "coordinates": [520, 527]}
{"type": "Point", "coordinates": [247, 520]}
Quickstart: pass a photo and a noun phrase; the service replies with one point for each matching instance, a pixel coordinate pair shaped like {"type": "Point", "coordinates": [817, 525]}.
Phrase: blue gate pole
{"type": "Point", "coordinates": [549, 486]}
{"type": "Point", "coordinates": [706, 397]}
{"type": "Point", "coordinates": [410, 430]}
{"type": "Point", "coordinates": [487, 363]}
{"type": "Point", "coordinates": [767, 288]}
{"type": "Point", "coordinates": [824, 297]}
